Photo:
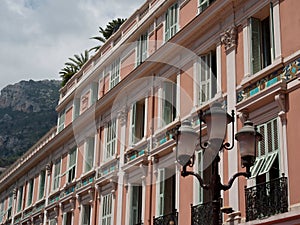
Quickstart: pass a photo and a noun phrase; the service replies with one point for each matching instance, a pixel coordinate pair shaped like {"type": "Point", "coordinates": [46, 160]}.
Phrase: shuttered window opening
{"type": "Point", "coordinates": [110, 140]}
{"type": "Point", "coordinates": [107, 206]}
{"type": "Point", "coordinates": [171, 23]}
{"type": "Point", "coordinates": [268, 149]}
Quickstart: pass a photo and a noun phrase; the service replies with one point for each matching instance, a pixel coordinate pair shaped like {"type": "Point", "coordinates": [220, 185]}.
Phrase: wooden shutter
{"type": "Point", "coordinates": [255, 31]}
{"type": "Point", "coordinates": [161, 179]}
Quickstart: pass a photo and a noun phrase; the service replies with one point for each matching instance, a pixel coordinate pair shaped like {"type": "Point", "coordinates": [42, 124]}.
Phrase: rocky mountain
{"type": "Point", "coordinates": [27, 112]}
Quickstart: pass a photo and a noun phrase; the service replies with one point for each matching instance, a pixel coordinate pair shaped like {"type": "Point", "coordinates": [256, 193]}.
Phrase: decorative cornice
{"type": "Point", "coordinates": [229, 38]}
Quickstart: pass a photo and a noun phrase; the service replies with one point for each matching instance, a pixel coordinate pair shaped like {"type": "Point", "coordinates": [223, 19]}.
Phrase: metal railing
{"type": "Point", "coordinates": [266, 199]}
{"type": "Point", "coordinates": [168, 219]}
{"type": "Point", "coordinates": [202, 214]}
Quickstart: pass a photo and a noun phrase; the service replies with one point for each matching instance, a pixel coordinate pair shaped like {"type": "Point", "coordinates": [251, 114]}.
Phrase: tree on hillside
{"type": "Point", "coordinates": [110, 29]}
{"type": "Point", "coordinates": [73, 66]}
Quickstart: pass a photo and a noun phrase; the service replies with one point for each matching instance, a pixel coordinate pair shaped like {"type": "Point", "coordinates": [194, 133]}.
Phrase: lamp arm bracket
{"type": "Point", "coordinates": [185, 173]}
{"type": "Point", "coordinates": [232, 179]}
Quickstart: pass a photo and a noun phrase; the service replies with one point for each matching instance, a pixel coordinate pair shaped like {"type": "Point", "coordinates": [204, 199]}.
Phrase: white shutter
{"type": "Point", "coordinates": [133, 124]}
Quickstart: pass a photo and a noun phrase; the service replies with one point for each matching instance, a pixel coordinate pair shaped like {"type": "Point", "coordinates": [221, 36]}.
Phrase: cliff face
{"type": "Point", "coordinates": [27, 112]}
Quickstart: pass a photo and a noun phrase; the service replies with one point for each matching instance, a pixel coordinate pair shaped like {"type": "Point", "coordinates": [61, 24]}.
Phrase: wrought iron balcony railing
{"type": "Point", "coordinates": [168, 219]}
{"type": "Point", "coordinates": [202, 214]}
{"type": "Point", "coordinates": [266, 199]}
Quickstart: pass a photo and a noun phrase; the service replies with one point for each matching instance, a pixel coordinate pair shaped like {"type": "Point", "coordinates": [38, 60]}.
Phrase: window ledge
{"type": "Point", "coordinates": [249, 79]}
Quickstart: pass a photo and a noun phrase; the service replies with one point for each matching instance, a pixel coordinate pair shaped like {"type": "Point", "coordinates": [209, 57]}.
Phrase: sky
{"type": "Point", "coordinates": [38, 36]}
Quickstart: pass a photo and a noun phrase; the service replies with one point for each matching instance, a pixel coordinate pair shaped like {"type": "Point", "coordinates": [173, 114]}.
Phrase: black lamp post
{"type": "Point", "coordinates": [216, 120]}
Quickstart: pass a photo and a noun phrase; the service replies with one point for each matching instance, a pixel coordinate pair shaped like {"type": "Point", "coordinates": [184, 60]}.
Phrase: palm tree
{"type": "Point", "coordinates": [110, 29]}
{"type": "Point", "coordinates": [73, 67]}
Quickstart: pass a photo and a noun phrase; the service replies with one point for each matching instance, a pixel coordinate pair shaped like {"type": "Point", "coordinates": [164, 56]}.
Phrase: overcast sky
{"type": "Point", "coordinates": [38, 36]}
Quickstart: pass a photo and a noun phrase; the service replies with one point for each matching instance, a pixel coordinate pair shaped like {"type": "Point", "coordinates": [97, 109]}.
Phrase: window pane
{"type": "Point", "coordinates": [255, 44]}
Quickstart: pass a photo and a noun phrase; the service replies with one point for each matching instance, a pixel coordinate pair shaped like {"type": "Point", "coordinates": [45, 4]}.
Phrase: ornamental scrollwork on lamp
{"type": "Point", "coordinates": [229, 38]}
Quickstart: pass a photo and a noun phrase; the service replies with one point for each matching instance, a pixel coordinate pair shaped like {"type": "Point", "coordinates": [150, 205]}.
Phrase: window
{"type": "Point", "coordinates": [137, 121]}
{"type": "Point", "coordinates": [142, 49]}
{"type": "Point", "coordinates": [20, 199]}
{"type": "Point", "coordinates": [89, 154]}
{"type": "Point", "coordinates": [169, 102]}
{"type": "Point", "coordinates": [30, 191]}
{"type": "Point", "coordinates": [203, 4]}
{"type": "Point", "coordinates": [42, 184]}
{"type": "Point", "coordinates": [261, 34]}
{"type": "Point", "coordinates": [171, 24]}
{"type": "Point", "coordinates": [76, 104]}
{"type": "Point", "coordinates": [166, 191]}
{"type": "Point", "coordinates": [86, 215]}
{"type": "Point", "coordinates": [56, 175]}
{"type": "Point", "coordinates": [61, 121]}
{"type": "Point", "coordinates": [266, 166]}
{"type": "Point", "coordinates": [94, 92]}
{"type": "Point", "coordinates": [2, 212]}
{"type": "Point", "coordinates": [52, 222]}
{"type": "Point", "coordinates": [205, 170]}
{"type": "Point", "coordinates": [67, 218]}
{"type": "Point", "coordinates": [110, 140]}
{"type": "Point", "coordinates": [72, 165]}
{"type": "Point", "coordinates": [9, 209]}
{"type": "Point", "coordinates": [207, 77]}
{"type": "Point", "coordinates": [136, 205]}
{"type": "Point", "coordinates": [115, 73]}
{"type": "Point", "coordinates": [107, 207]}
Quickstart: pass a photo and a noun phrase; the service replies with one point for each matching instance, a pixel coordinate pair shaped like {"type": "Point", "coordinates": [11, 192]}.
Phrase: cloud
{"type": "Point", "coordinates": [38, 36]}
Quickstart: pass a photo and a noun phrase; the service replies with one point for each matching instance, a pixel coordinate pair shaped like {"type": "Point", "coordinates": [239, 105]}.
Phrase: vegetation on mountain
{"type": "Point", "coordinates": [27, 112]}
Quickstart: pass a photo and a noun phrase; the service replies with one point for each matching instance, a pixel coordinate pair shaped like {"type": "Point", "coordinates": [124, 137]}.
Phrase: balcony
{"type": "Point", "coordinates": [202, 214]}
{"type": "Point", "coordinates": [266, 199]}
{"type": "Point", "coordinates": [169, 219]}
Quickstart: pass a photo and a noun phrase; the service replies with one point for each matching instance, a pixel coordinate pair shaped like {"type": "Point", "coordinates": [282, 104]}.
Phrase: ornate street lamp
{"type": "Point", "coordinates": [216, 120]}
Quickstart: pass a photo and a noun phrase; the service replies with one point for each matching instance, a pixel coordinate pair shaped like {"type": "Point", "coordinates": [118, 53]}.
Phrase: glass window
{"type": "Point", "coordinates": [61, 121]}
{"type": "Point", "coordinates": [115, 73]}
{"type": "Point", "coordinates": [89, 154]}
{"type": "Point", "coordinates": [42, 184]}
{"type": "Point", "coordinates": [110, 140]}
{"type": "Point", "coordinates": [142, 49]}
{"type": "Point", "coordinates": [94, 92]}
{"type": "Point", "coordinates": [67, 218]}
{"type": "Point", "coordinates": [203, 4]}
{"type": "Point", "coordinates": [76, 104]}
{"type": "Point", "coordinates": [56, 175]}
{"type": "Point", "coordinates": [20, 199]}
{"type": "Point", "coordinates": [137, 121]}
{"type": "Point", "coordinates": [169, 101]}
{"type": "Point", "coordinates": [262, 47]}
{"type": "Point", "coordinates": [30, 192]}
{"type": "Point", "coordinates": [208, 77]}
{"type": "Point", "coordinates": [9, 209]}
{"type": "Point", "coordinates": [171, 24]}
{"type": "Point", "coordinates": [136, 205]}
{"type": "Point", "coordinates": [107, 208]}
{"type": "Point", "coordinates": [72, 165]}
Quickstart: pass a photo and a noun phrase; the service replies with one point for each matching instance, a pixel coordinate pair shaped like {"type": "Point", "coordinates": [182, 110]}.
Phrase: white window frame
{"type": "Point", "coordinates": [83, 214]}
{"type": "Point", "coordinates": [160, 184]}
{"type": "Point", "coordinates": [20, 198]}
{"type": "Point", "coordinates": [61, 121]}
{"type": "Point", "coordinates": [76, 108]}
{"type": "Point", "coordinates": [169, 98]}
{"type": "Point", "coordinates": [110, 140]}
{"type": "Point", "coordinates": [114, 77]}
{"type": "Point", "coordinates": [65, 216]}
{"type": "Point", "coordinates": [171, 21]}
{"type": "Point", "coordinates": [72, 168]}
{"type": "Point", "coordinates": [135, 208]}
{"type": "Point", "coordinates": [9, 208]}
{"type": "Point", "coordinates": [203, 4]}
{"type": "Point", "coordinates": [56, 177]}
{"type": "Point", "coordinates": [260, 48]}
{"type": "Point", "coordinates": [208, 80]}
{"type": "Point", "coordinates": [41, 182]}
{"type": "Point", "coordinates": [89, 158]}
{"type": "Point", "coordinates": [133, 122]}
{"type": "Point", "coordinates": [30, 191]}
{"type": "Point", "coordinates": [142, 49]}
{"type": "Point", "coordinates": [107, 209]}
{"type": "Point", "coordinates": [94, 92]}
